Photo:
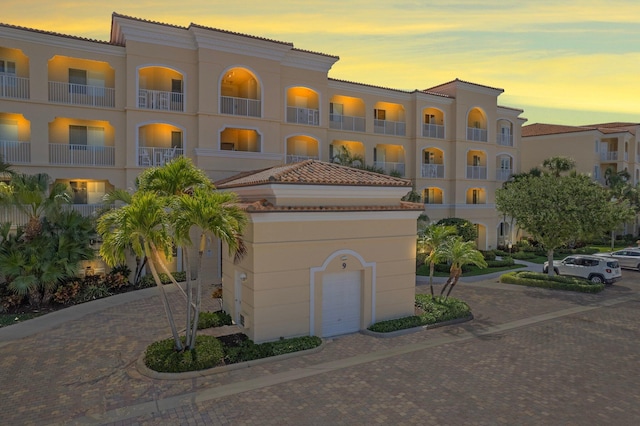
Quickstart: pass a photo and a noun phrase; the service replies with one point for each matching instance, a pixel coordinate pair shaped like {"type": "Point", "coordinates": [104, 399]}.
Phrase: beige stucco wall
{"type": "Point", "coordinates": [288, 253]}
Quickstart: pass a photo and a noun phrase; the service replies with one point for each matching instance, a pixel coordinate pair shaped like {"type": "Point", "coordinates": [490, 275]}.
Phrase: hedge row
{"type": "Point", "coordinates": [556, 282]}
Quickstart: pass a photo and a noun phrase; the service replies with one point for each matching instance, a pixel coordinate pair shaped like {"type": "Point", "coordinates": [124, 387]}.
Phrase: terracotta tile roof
{"type": "Point", "coordinates": [312, 172]}
{"type": "Point", "coordinates": [33, 30]}
{"type": "Point", "coordinates": [542, 129]}
{"type": "Point", "coordinates": [263, 206]}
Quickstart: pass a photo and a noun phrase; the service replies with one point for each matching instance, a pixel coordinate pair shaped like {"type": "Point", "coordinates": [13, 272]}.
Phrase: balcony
{"type": "Point", "coordinates": [81, 155]}
{"type": "Point", "coordinates": [609, 156]}
{"type": "Point", "coordinates": [346, 122]}
{"type": "Point", "coordinates": [149, 156]}
{"type": "Point", "coordinates": [81, 94]}
{"type": "Point", "coordinates": [160, 100]}
{"type": "Point", "coordinates": [13, 87]}
{"type": "Point", "coordinates": [303, 116]}
{"type": "Point", "coordinates": [476, 172]}
{"type": "Point", "coordinates": [14, 152]}
{"type": "Point", "coordinates": [503, 174]}
{"type": "Point", "coordinates": [505, 140]}
{"type": "Point", "coordinates": [240, 106]}
{"type": "Point", "coordinates": [434, 171]}
{"type": "Point", "coordinates": [19, 218]}
{"type": "Point", "coordinates": [299, 158]}
{"type": "Point", "coordinates": [433, 131]}
{"type": "Point", "coordinates": [475, 134]}
{"type": "Point", "coordinates": [384, 127]}
{"type": "Point", "coordinates": [389, 167]}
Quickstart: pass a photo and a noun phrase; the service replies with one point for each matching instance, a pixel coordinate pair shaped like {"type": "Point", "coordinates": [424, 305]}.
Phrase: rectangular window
{"type": "Point", "coordinates": [475, 196]}
{"type": "Point", "coordinates": [176, 139]}
{"type": "Point", "coordinates": [8, 130]}
{"type": "Point", "coordinates": [379, 114]}
{"type": "Point", "coordinates": [77, 81]}
{"type": "Point", "coordinates": [476, 160]}
{"type": "Point", "coordinates": [429, 119]}
{"type": "Point", "coordinates": [95, 136]}
{"type": "Point", "coordinates": [78, 135]}
{"type": "Point", "coordinates": [227, 146]}
{"type": "Point", "coordinates": [7, 67]}
{"type": "Point", "coordinates": [429, 157]}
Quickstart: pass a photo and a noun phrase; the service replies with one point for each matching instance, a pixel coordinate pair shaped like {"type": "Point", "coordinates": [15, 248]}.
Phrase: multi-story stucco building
{"type": "Point", "coordinates": [93, 114]}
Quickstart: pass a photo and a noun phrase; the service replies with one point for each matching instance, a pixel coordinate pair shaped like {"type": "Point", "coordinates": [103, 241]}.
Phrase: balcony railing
{"type": "Point", "coordinates": [503, 174]}
{"type": "Point", "coordinates": [149, 156]}
{"type": "Point", "coordinates": [505, 140]}
{"type": "Point", "coordinates": [475, 134]}
{"type": "Point", "coordinates": [13, 87]}
{"type": "Point", "coordinates": [19, 218]}
{"type": "Point", "coordinates": [240, 106]}
{"type": "Point", "coordinates": [346, 122]}
{"type": "Point", "coordinates": [303, 116]}
{"type": "Point", "coordinates": [14, 152]}
{"type": "Point", "coordinates": [85, 210]}
{"type": "Point", "coordinates": [397, 128]}
{"type": "Point", "coordinates": [298, 158]}
{"type": "Point", "coordinates": [390, 167]}
{"type": "Point", "coordinates": [476, 172]}
{"type": "Point", "coordinates": [160, 100]}
{"type": "Point", "coordinates": [435, 171]}
{"type": "Point", "coordinates": [81, 94]}
{"type": "Point", "coordinates": [433, 131]}
{"type": "Point", "coordinates": [609, 156]}
{"type": "Point", "coordinates": [82, 155]}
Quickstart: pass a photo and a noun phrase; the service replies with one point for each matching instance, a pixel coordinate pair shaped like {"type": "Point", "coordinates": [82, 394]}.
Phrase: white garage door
{"type": "Point", "coordinates": [340, 303]}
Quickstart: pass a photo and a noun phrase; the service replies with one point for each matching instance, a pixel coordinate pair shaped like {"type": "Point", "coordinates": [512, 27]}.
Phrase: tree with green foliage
{"type": "Point", "coordinates": [465, 228]}
{"type": "Point", "coordinates": [557, 209]}
{"type": "Point", "coordinates": [432, 238]}
{"type": "Point", "coordinates": [458, 253]}
{"type": "Point", "coordinates": [559, 165]}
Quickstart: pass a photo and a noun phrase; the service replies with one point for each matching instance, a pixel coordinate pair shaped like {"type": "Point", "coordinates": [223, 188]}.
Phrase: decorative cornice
{"type": "Point", "coordinates": [242, 45]}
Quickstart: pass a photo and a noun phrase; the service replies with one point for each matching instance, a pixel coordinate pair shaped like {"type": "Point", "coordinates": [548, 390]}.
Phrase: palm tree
{"type": "Point", "coordinates": [213, 214]}
{"type": "Point", "coordinates": [458, 253]}
{"type": "Point", "coordinates": [557, 165]}
{"type": "Point", "coordinates": [433, 238]}
{"type": "Point", "coordinates": [143, 226]}
{"type": "Point", "coordinates": [31, 195]}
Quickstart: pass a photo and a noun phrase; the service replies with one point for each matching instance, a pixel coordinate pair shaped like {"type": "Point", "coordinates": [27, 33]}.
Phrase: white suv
{"type": "Point", "coordinates": [597, 269]}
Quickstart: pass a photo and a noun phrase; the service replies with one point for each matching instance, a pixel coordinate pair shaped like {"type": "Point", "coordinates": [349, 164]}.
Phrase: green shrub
{"type": "Point", "coordinates": [68, 292]}
{"type": "Point", "coordinates": [506, 261]}
{"type": "Point", "coordinates": [489, 255]}
{"type": "Point", "coordinates": [162, 357]}
{"type": "Point", "coordinates": [556, 282]}
{"type": "Point", "coordinates": [213, 319]}
{"type": "Point", "coordinates": [435, 310]}
{"type": "Point", "coordinates": [148, 281]}
{"type": "Point", "coordinates": [248, 351]}
{"type": "Point", "coordinates": [525, 254]}
{"type": "Point", "coordinates": [421, 258]}
{"type": "Point", "coordinates": [93, 292]}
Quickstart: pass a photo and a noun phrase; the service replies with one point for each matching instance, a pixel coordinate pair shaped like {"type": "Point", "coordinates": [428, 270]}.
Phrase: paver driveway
{"type": "Point", "coordinates": [530, 356]}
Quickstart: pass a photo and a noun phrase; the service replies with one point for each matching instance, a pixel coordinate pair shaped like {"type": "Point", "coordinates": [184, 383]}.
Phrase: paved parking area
{"type": "Point", "coordinates": [530, 356]}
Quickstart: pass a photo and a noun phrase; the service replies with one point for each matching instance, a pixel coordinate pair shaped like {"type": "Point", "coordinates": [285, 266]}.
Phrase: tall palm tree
{"type": "Point", "coordinates": [433, 238]}
{"type": "Point", "coordinates": [213, 214]}
{"type": "Point", "coordinates": [458, 253]}
{"type": "Point", "coordinates": [143, 226]}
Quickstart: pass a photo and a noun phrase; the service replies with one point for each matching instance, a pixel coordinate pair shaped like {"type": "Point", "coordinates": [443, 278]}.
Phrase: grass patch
{"type": "Point", "coordinates": [556, 282]}
{"type": "Point", "coordinates": [430, 310]}
{"type": "Point", "coordinates": [10, 319]}
{"type": "Point", "coordinates": [213, 319]}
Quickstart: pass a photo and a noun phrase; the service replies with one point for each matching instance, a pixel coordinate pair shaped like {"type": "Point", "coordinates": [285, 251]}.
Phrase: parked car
{"type": "Point", "coordinates": [627, 258]}
{"type": "Point", "coordinates": [597, 269]}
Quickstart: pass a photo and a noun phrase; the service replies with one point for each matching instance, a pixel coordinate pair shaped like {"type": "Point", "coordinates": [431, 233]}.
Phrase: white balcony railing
{"type": "Point", "coordinates": [435, 171]}
{"type": "Point", "coordinates": [475, 134]}
{"type": "Point", "coordinates": [85, 210]}
{"type": "Point", "coordinates": [609, 156]}
{"type": "Point", "coordinates": [298, 158]}
{"type": "Point", "coordinates": [81, 94]}
{"type": "Point", "coordinates": [303, 116]}
{"type": "Point", "coordinates": [476, 172]}
{"type": "Point", "coordinates": [240, 106]}
{"type": "Point", "coordinates": [14, 152]}
{"type": "Point", "coordinates": [160, 100]}
{"type": "Point", "coordinates": [13, 87]}
{"type": "Point", "coordinates": [149, 156]}
{"type": "Point", "coordinates": [346, 122]}
{"type": "Point", "coordinates": [389, 167]}
{"type": "Point", "coordinates": [505, 140]}
{"type": "Point", "coordinates": [82, 155]}
{"type": "Point", "coordinates": [503, 174]}
{"type": "Point", "coordinates": [433, 131]}
{"type": "Point", "coordinates": [385, 127]}
{"type": "Point", "coordinates": [19, 218]}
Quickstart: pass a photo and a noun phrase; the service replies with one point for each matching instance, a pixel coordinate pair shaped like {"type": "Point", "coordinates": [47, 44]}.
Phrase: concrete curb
{"type": "Point", "coordinates": [145, 371]}
{"type": "Point", "coordinates": [416, 329]}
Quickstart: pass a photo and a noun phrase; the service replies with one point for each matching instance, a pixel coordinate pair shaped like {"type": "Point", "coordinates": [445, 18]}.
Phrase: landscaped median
{"type": "Point", "coordinates": [431, 312]}
{"type": "Point", "coordinates": [556, 282]}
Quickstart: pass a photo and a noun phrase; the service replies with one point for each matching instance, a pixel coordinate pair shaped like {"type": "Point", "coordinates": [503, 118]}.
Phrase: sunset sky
{"type": "Point", "coordinates": [570, 62]}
